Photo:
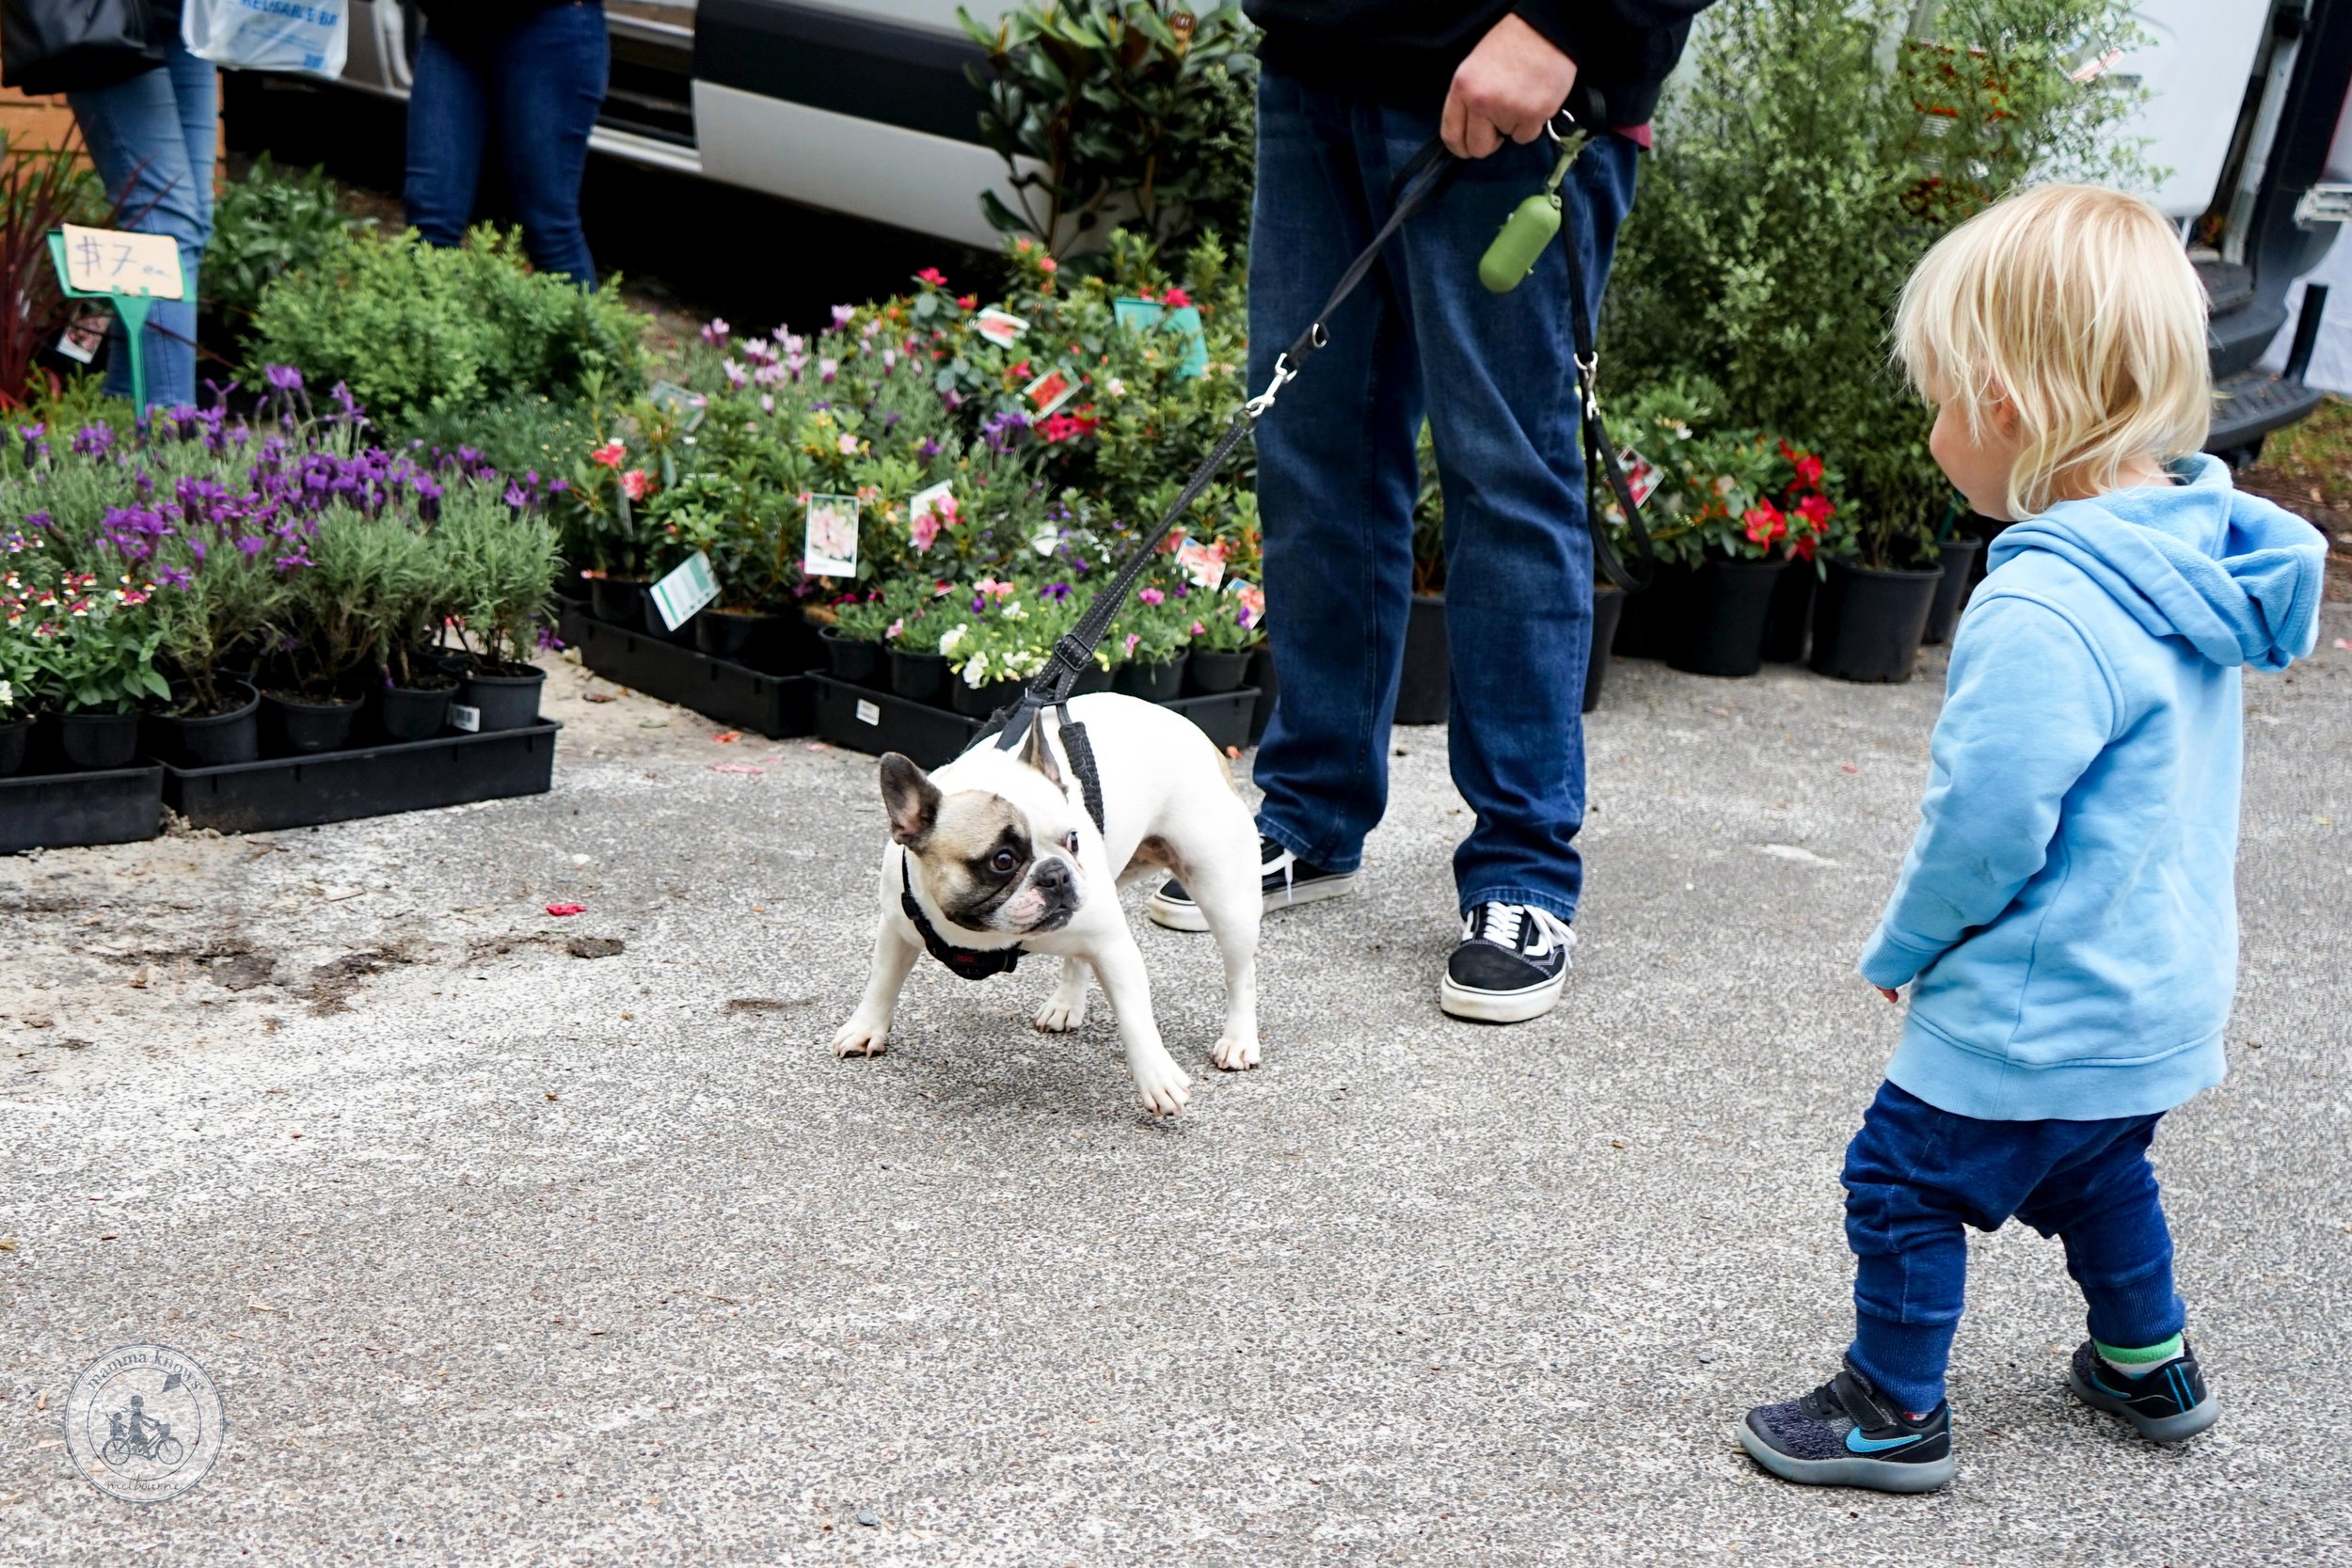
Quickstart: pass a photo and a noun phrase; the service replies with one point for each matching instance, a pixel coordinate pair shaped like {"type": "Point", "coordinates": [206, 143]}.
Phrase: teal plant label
{"type": "Point", "coordinates": [1184, 323]}
{"type": "Point", "coordinates": [685, 591]}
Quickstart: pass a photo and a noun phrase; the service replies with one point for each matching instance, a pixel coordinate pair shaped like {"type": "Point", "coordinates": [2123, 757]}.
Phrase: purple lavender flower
{"type": "Point", "coordinates": [841, 314]}
{"type": "Point", "coordinates": [174, 577]}
{"type": "Point", "coordinates": [517, 497]}
{"type": "Point", "coordinates": [282, 378]}
{"type": "Point", "coordinates": [346, 407]}
{"type": "Point", "coordinates": [93, 440]}
{"type": "Point", "coordinates": [1000, 431]}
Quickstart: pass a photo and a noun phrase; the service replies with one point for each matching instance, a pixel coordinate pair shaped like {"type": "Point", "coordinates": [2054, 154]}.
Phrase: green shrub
{"type": "Point", "coordinates": [1810, 158]}
{"type": "Point", "coordinates": [271, 225]}
{"type": "Point", "coordinates": [412, 329]}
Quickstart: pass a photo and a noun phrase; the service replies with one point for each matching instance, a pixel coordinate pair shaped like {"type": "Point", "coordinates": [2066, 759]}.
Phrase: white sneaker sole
{"type": "Point", "coordinates": [1502, 1007]}
{"type": "Point", "coordinates": [1187, 916]}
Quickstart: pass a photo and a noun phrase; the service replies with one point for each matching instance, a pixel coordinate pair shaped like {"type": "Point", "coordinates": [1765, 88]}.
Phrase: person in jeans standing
{"type": "Point", "coordinates": [150, 138]}
{"type": "Point", "coordinates": [536, 70]}
{"type": "Point", "coordinates": [1350, 90]}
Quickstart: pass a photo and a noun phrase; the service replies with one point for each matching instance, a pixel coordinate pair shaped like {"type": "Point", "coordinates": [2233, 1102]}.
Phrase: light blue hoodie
{"type": "Point", "coordinates": [2068, 908]}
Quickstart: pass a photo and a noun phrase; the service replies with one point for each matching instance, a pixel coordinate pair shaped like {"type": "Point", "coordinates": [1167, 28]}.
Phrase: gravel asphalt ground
{"type": "Point", "coordinates": [500, 1254]}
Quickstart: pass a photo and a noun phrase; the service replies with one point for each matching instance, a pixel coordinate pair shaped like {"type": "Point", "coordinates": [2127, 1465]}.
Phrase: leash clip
{"type": "Point", "coordinates": [1284, 372]}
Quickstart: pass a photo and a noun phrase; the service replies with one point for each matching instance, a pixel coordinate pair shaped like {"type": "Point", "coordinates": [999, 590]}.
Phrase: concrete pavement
{"type": "Point", "coordinates": [498, 1255]}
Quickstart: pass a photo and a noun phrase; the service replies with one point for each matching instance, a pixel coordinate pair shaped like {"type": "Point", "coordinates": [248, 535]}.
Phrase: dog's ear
{"type": "Point", "coordinates": [1037, 754]}
{"type": "Point", "coordinates": [912, 799]}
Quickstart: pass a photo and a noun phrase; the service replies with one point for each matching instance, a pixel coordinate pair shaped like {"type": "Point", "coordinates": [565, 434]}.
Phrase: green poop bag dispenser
{"type": "Point", "coordinates": [1520, 244]}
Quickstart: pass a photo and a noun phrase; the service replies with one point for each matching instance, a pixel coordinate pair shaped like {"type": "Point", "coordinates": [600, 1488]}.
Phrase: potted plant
{"type": "Point", "coordinates": [1224, 636]}
{"type": "Point", "coordinates": [1771, 508]}
{"type": "Point", "coordinates": [921, 640]}
{"type": "Point", "coordinates": [325, 626]}
{"type": "Point", "coordinates": [95, 649]}
{"type": "Point", "coordinates": [852, 639]}
{"type": "Point", "coordinates": [499, 562]}
{"type": "Point", "coordinates": [1149, 637]}
{"type": "Point", "coordinates": [1958, 542]}
{"type": "Point", "coordinates": [607, 489]}
{"type": "Point", "coordinates": [212, 626]}
{"type": "Point", "coordinates": [16, 724]}
{"type": "Point", "coordinates": [412, 690]}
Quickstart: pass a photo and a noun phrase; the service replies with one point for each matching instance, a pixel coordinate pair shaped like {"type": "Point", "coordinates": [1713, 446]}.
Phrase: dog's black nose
{"type": "Point", "coordinates": [1053, 877]}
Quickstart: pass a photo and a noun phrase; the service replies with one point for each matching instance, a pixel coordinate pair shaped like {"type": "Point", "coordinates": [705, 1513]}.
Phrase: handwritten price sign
{"type": "Point", "coordinates": [111, 261]}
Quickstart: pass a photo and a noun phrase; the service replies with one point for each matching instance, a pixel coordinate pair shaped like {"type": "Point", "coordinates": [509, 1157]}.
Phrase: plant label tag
{"type": "Point", "coordinates": [1000, 327]}
{"type": "Point", "coordinates": [868, 712]}
{"type": "Point", "coordinates": [1204, 563]}
{"type": "Point", "coordinates": [1051, 390]}
{"type": "Point", "coordinates": [938, 505]}
{"type": "Point", "coordinates": [1138, 315]}
{"type": "Point", "coordinates": [115, 261]}
{"type": "Point", "coordinates": [671, 398]}
{"type": "Point", "coordinates": [1640, 477]}
{"type": "Point", "coordinates": [464, 717]}
{"type": "Point", "coordinates": [1184, 321]}
{"type": "Point", "coordinates": [830, 549]}
{"type": "Point", "coordinates": [82, 336]}
{"type": "Point", "coordinates": [685, 591]}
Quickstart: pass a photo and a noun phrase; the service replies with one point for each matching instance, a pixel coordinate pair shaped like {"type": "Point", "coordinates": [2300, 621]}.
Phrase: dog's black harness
{"type": "Point", "coordinates": [978, 963]}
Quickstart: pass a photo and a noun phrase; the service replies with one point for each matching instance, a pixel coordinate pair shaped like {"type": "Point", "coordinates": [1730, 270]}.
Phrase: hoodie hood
{"type": "Point", "coordinates": [2235, 575]}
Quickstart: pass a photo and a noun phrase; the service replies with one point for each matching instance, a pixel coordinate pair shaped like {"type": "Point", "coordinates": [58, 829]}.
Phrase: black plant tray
{"type": "Point", "coordinates": [54, 811]}
{"type": "Point", "coordinates": [371, 781]}
{"type": "Point", "coordinates": [864, 720]}
{"type": "Point", "coordinates": [777, 706]}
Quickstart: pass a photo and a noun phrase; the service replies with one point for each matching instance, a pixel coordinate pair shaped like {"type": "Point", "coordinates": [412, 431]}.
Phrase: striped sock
{"type": "Point", "coordinates": [2138, 1363]}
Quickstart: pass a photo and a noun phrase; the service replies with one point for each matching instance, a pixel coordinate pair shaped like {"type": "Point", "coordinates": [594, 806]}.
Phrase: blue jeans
{"type": "Point", "coordinates": [1914, 1175]}
{"type": "Point", "coordinates": [542, 83]}
{"type": "Point", "coordinates": [150, 139]}
{"type": "Point", "coordinates": [1337, 481]}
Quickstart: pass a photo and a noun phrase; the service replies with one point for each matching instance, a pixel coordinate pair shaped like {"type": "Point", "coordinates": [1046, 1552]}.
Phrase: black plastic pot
{"type": "Point", "coordinates": [773, 644]}
{"type": "Point", "coordinates": [507, 698]}
{"type": "Point", "coordinates": [650, 621]}
{"type": "Point", "coordinates": [291, 727]}
{"type": "Point", "coordinates": [94, 740]}
{"type": "Point", "coordinates": [1788, 623]}
{"type": "Point", "coordinates": [1153, 683]}
{"type": "Point", "coordinates": [1958, 558]}
{"type": "Point", "coordinates": [1095, 679]}
{"type": "Point", "coordinates": [1652, 617]}
{"type": "Point", "coordinates": [413, 713]}
{"type": "Point", "coordinates": [13, 735]}
{"type": "Point", "coordinates": [1609, 603]}
{"type": "Point", "coordinates": [1723, 631]}
{"type": "Point", "coordinates": [616, 601]}
{"type": "Point", "coordinates": [919, 678]}
{"type": "Point", "coordinates": [978, 701]}
{"type": "Point", "coordinates": [848, 659]}
{"type": "Point", "coordinates": [1207, 671]}
{"type": "Point", "coordinates": [1423, 687]}
{"type": "Point", "coordinates": [1867, 622]}
{"type": "Point", "coordinates": [209, 740]}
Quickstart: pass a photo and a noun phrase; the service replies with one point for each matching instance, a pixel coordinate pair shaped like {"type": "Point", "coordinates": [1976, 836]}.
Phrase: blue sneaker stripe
{"type": "Point", "coordinates": [1856, 1443]}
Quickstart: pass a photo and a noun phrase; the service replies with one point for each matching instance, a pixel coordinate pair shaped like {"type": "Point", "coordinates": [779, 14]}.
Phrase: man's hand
{"type": "Point", "coordinates": [1891, 995]}
{"type": "Point", "coordinates": [1512, 83]}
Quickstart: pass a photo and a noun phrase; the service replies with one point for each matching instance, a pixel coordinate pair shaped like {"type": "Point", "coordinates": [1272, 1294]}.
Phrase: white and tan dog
{"type": "Point", "coordinates": [997, 849]}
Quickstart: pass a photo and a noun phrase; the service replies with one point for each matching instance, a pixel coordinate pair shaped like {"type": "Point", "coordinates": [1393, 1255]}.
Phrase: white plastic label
{"type": "Point", "coordinates": [464, 717]}
{"type": "Point", "coordinates": [869, 713]}
{"type": "Point", "coordinates": [678, 597]}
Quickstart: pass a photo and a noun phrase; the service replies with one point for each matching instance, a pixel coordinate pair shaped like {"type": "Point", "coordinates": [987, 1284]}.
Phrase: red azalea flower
{"type": "Point", "coordinates": [1046, 263]}
{"type": "Point", "coordinates": [1177, 298]}
{"type": "Point", "coordinates": [609, 455]}
{"type": "Point", "coordinates": [1765, 523]}
{"type": "Point", "coordinates": [1020, 372]}
{"type": "Point", "coordinates": [633, 484]}
{"type": "Point", "coordinates": [933, 275]}
{"type": "Point", "coordinates": [1808, 470]}
{"type": "Point", "coordinates": [1816, 510]}
{"type": "Point", "coordinates": [1803, 546]}
{"type": "Point", "coordinates": [968, 302]}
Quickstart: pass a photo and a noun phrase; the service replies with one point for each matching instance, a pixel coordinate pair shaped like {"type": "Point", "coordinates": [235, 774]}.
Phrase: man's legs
{"type": "Point", "coordinates": [143, 140]}
{"type": "Point", "coordinates": [551, 75]}
{"type": "Point", "coordinates": [1336, 473]}
{"type": "Point", "coordinates": [1499, 372]}
{"type": "Point", "coordinates": [449, 118]}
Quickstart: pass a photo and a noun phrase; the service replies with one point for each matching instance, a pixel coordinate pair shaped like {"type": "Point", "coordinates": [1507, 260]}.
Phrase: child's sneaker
{"type": "Point", "coordinates": [1846, 1434]}
{"type": "Point", "coordinates": [2168, 1404]}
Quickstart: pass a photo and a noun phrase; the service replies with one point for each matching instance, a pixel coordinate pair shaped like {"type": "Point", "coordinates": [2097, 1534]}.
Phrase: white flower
{"type": "Point", "coordinates": [1117, 388]}
{"type": "Point", "coordinates": [7, 695]}
{"type": "Point", "coordinates": [952, 639]}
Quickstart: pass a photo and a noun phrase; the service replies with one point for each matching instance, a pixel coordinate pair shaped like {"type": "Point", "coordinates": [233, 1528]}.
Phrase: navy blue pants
{"type": "Point", "coordinates": [1336, 481]}
{"type": "Point", "coordinates": [1915, 1175]}
{"type": "Point", "coordinates": [541, 82]}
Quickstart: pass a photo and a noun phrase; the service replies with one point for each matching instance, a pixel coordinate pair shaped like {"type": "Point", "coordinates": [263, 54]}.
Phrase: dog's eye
{"type": "Point", "coordinates": [1070, 842]}
{"type": "Point", "coordinates": [1002, 862]}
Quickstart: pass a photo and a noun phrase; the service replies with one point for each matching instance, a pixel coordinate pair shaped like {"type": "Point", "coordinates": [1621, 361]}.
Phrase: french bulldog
{"type": "Point", "coordinates": [997, 849]}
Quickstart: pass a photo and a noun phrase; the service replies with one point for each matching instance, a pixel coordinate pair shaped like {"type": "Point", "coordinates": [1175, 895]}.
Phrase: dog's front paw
{"type": "Point", "coordinates": [859, 1038]}
{"type": "Point", "coordinates": [1236, 1056]}
{"type": "Point", "coordinates": [1061, 1013]}
{"type": "Point", "coordinates": [1165, 1088]}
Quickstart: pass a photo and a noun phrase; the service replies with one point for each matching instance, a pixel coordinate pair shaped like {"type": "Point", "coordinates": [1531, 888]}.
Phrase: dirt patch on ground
{"type": "Point", "coordinates": [2307, 468]}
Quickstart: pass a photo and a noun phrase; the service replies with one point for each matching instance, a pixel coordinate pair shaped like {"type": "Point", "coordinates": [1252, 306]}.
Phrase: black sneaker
{"type": "Point", "coordinates": [1287, 880]}
{"type": "Point", "coordinates": [2168, 1404]}
{"type": "Point", "coordinates": [1846, 1434]}
{"type": "Point", "coordinates": [1510, 965]}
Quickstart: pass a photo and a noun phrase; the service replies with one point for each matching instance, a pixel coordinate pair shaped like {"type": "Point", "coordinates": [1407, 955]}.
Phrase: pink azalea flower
{"type": "Point", "coordinates": [1152, 595]}
{"type": "Point", "coordinates": [633, 484]}
{"type": "Point", "coordinates": [609, 455]}
{"type": "Point", "coordinates": [848, 445]}
{"type": "Point", "coordinates": [925, 531]}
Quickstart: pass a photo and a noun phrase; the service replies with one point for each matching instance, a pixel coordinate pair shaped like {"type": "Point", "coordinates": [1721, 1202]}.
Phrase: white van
{"type": "Point", "coordinates": [864, 106]}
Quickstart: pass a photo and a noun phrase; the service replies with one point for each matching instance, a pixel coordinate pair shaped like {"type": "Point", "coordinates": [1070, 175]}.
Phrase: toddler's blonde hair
{"type": "Point", "coordinates": [2078, 306]}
